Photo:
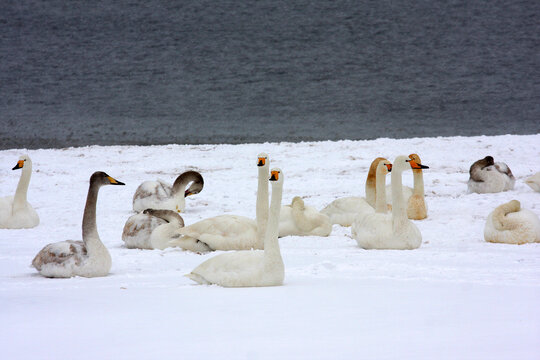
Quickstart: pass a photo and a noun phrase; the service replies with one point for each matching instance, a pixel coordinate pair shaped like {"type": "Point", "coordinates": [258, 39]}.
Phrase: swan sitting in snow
{"type": "Point", "coordinates": [487, 176]}
{"type": "Point", "coordinates": [534, 181]}
{"type": "Point", "coordinates": [343, 211]}
{"type": "Point", "coordinates": [388, 231]}
{"type": "Point", "coordinates": [301, 220]}
{"type": "Point", "coordinates": [249, 267]}
{"type": "Point", "coordinates": [232, 232]}
{"type": "Point", "coordinates": [89, 257]}
{"type": "Point", "coordinates": [156, 229]}
{"type": "Point", "coordinates": [161, 195]}
{"type": "Point", "coordinates": [15, 211]}
{"type": "Point", "coordinates": [510, 224]}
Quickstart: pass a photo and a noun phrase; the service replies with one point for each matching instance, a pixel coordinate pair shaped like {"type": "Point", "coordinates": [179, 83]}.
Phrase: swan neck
{"type": "Point", "coordinates": [418, 177]}
{"type": "Point", "coordinates": [19, 200]}
{"type": "Point", "coordinates": [89, 227]}
{"type": "Point", "coordinates": [380, 204]}
{"type": "Point", "coordinates": [399, 213]}
{"type": "Point", "coordinates": [261, 206]}
{"type": "Point", "coordinates": [371, 188]}
{"type": "Point", "coordinates": [272, 254]}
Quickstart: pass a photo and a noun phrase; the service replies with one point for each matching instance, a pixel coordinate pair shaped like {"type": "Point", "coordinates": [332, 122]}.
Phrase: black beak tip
{"type": "Point", "coordinates": [424, 166]}
{"type": "Point", "coordinates": [119, 183]}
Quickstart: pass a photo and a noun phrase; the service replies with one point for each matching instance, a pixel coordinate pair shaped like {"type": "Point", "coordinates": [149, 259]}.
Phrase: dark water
{"type": "Point", "coordinates": [152, 72]}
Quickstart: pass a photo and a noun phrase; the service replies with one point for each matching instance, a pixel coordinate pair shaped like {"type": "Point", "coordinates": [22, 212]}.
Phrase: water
{"type": "Point", "coordinates": [152, 72]}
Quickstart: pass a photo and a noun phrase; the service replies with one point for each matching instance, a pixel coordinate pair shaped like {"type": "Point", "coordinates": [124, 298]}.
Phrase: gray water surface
{"type": "Point", "coordinates": [153, 72]}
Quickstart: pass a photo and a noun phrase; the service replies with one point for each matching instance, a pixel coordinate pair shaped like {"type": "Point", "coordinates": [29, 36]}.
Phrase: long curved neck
{"type": "Point", "coordinates": [380, 204]}
{"type": "Point", "coordinates": [19, 200]}
{"type": "Point", "coordinates": [500, 221]}
{"type": "Point", "coordinates": [399, 213]}
{"type": "Point", "coordinates": [262, 203]}
{"type": "Point", "coordinates": [418, 177]}
{"type": "Point", "coordinates": [89, 227]}
{"type": "Point", "coordinates": [371, 187]}
{"type": "Point", "coordinates": [271, 244]}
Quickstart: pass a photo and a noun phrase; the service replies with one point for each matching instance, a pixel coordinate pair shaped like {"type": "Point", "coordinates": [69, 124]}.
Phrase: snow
{"type": "Point", "coordinates": [456, 297]}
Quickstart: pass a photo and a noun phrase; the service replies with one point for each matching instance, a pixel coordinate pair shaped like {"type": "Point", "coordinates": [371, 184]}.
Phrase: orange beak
{"type": "Point", "coordinates": [415, 165]}
{"type": "Point", "coordinates": [262, 162]}
{"type": "Point", "coordinates": [274, 176]}
{"type": "Point", "coordinates": [19, 165]}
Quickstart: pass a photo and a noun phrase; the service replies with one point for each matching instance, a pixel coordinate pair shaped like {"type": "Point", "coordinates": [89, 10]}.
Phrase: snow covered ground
{"type": "Point", "coordinates": [456, 297]}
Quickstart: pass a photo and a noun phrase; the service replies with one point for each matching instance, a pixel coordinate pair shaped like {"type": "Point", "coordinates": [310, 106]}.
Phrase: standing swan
{"type": "Point", "coordinates": [249, 267]}
{"type": "Point", "coordinates": [487, 176]}
{"type": "Point", "coordinates": [301, 220]}
{"type": "Point", "coordinates": [389, 231]}
{"type": "Point", "coordinates": [510, 224]}
{"type": "Point", "coordinates": [343, 211]}
{"type": "Point", "coordinates": [161, 195]}
{"type": "Point", "coordinates": [15, 211]}
{"type": "Point", "coordinates": [232, 232]}
{"type": "Point", "coordinates": [89, 257]}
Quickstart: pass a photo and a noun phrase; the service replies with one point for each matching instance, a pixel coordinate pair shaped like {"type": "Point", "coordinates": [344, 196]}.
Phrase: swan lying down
{"type": "Point", "coordinates": [487, 176]}
{"type": "Point", "coordinates": [89, 257]}
{"type": "Point", "coordinates": [301, 220]}
{"type": "Point", "coordinates": [15, 211]}
{"type": "Point", "coordinates": [511, 224]}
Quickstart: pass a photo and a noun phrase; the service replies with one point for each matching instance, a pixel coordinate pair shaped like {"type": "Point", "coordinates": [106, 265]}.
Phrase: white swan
{"type": "Point", "coordinates": [534, 181]}
{"type": "Point", "coordinates": [510, 224]}
{"type": "Point", "coordinates": [232, 232]}
{"type": "Point", "coordinates": [89, 257]}
{"type": "Point", "coordinates": [161, 195]}
{"type": "Point", "coordinates": [487, 176]}
{"type": "Point", "coordinates": [15, 211]}
{"type": "Point", "coordinates": [301, 220]}
{"type": "Point", "coordinates": [416, 204]}
{"type": "Point", "coordinates": [388, 231]}
{"type": "Point", "coordinates": [249, 267]}
{"type": "Point", "coordinates": [343, 211]}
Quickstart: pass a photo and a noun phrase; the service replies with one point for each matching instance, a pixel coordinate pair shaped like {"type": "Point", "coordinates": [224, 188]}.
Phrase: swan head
{"type": "Point", "coordinates": [101, 178]}
{"type": "Point", "coordinates": [23, 160]}
{"type": "Point", "coordinates": [262, 159]}
{"type": "Point", "coordinates": [384, 167]}
{"type": "Point", "coordinates": [276, 176]}
{"type": "Point", "coordinates": [415, 160]}
{"type": "Point", "coordinates": [403, 162]}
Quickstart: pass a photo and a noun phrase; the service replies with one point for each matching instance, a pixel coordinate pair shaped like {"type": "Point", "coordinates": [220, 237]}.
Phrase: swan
{"type": "Point", "coordinates": [301, 220]}
{"type": "Point", "coordinates": [343, 211]}
{"type": "Point", "coordinates": [161, 195]}
{"type": "Point", "coordinates": [15, 211]}
{"type": "Point", "coordinates": [232, 232]}
{"type": "Point", "coordinates": [534, 181]}
{"type": "Point", "coordinates": [89, 257]}
{"type": "Point", "coordinates": [416, 204]}
{"type": "Point", "coordinates": [249, 267]}
{"type": "Point", "coordinates": [380, 230]}
{"type": "Point", "coordinates": [414, 208]}
{"type": "Point", "coordinates": [487, 176]}
{"type": "Point", "coordinates": [510, 224]}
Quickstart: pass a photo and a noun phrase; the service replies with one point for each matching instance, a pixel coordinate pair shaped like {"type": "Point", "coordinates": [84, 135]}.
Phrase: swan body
{"type": "Point", "coordinates": [534, 182]}
{"type": "Point", "coordinates": [380, 230]}
{"type": "Point", "coordinates": [232, 232]}
{"type": "Point", "coordinates": [89, 257]}
{"type": "Point", "coordinates": [162, 195]}
{"type": "Point", "coordinates": [510, 224]}
{"type": "Point", "coordinates": [153, 229]}
{"type": "Point", "coordinates": [487, 176]}
{"type": "Point", "coordinates": [249, 267]}
{"type": "Point", "coordinates": [15, 211]}
{"type": "Point", "coordinates": [343, 211]}
{"type": "Point", "coordinates": [301, 220]}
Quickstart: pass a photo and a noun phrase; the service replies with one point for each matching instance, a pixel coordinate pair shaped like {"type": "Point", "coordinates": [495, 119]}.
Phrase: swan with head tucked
{"type": "Point", "coordinates": [301, 220]}
{"type": "Point", "coordinates": [232, 232]}
{"type": "Point", "coordinates": [15, 211]}
{"type": "Point", "coordinates": [343, 211]}
{"type": "Point", "coordinates": [487, 176]}
{"type": "Point", "coordinates": [380, 230]}
{"type": "Point", "coordinates": [534, 182]}
{"type": "Point", "coordinates": [510, 224]}
{"type": "Point", "coordinates": [161, 195]}
{"type": "Point", "coordinates": [89, 257]}
{"type": "Point", "coordinates": [249, 267]}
